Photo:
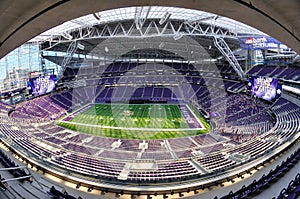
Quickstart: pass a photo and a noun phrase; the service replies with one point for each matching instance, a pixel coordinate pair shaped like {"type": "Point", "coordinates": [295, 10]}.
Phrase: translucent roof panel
{"type": "Point", "coordinates": [154, 12]}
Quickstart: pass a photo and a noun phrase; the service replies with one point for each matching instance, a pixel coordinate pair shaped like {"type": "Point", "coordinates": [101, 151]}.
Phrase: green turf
{"type": "Point", "coordinates": [98, 120]}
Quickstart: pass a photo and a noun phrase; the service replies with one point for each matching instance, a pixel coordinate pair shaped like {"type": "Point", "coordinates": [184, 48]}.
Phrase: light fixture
{"type": "Point", "coordinates": [67, 36]}
{"type": "Point", "coordinates": [212, 17]}
{"type": "Point", "coordinates": [80, 46]}
{"type": "Point", "coordinates": [138, 23]}
{"type": "Point", "coordinates": [96, 15]}
{"type": "Point", "coordinates": [141, 15]}
{"type": "Point", "coordinates": [177, 36]}
{"type": "Point", "coordinates": [166, 16]}
{"type": "Point", "coordinates": [161, 45]}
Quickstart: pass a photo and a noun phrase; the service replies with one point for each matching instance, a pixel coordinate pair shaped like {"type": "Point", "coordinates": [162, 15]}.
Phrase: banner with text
{"type": "Point", "coordinates": [255, 42]}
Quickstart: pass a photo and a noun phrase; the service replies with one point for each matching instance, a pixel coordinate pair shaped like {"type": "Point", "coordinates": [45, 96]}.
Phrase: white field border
{"type": "Point", "coordinates": [187, 106]}
{"type": "Point", "coordinates": [130, 128]}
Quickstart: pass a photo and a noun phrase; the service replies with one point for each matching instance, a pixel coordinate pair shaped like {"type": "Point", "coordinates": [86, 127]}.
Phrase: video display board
{"type": "Point", "coordinates": [41, 85]}
{"type": "Point", "coordinates": [265, 87]}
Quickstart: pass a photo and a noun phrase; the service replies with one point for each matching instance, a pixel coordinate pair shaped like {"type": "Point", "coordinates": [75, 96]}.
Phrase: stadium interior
{"type": "Point", "coordinates": [146, 99]}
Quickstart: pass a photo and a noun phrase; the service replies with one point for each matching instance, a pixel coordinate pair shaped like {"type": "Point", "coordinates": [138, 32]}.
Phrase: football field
{"type": "Point", "coordinates": [137, 121]}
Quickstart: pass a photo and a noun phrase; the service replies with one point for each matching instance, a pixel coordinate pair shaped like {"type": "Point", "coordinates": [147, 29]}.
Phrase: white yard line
{"type": "Point", "coordinates": [137, 129]}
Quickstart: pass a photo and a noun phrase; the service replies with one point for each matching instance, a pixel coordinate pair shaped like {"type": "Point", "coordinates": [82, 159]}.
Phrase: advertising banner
{"type": "Point", "coordinates": [255, 42]}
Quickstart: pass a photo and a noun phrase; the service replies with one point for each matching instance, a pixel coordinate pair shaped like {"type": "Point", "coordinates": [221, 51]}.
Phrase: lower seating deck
{"type": "Point", "coordinates": [181, 159]}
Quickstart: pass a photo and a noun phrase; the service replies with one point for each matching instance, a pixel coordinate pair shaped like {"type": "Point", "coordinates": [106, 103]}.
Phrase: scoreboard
{"type": "Point", "coordinates": [41, 85]}
{"type": "Point", "coordinates": [265, 87]}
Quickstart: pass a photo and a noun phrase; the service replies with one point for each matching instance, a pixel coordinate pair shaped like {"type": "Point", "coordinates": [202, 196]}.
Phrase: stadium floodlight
{"type": "Point", "coordinates": [96, 15]}
{"type": "Point", "coordinates": [139, 13]}
{"type": "Point", "coordinates": [80, 46]}
{"type": "Point", "coordinates": [177, 36]}
{"type": "Point", "coordinates": [166, 16]}
{"type": "Point", "coordinates": [212, 17]}
{"type": "Point", "coordinates": [137, 18]}
{"type": "Point", "coordinates": [138, 23]}
{"type": "Point", "coordinates": [67, 36]}
{"type": "Point", "coordinates": [161, 45]}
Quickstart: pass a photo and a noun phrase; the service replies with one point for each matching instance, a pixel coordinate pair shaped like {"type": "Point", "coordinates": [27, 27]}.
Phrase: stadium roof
{"type": "Point", "coordinates": [21, 22]}
{"type": "Point", "coordinates": [150, 12]}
